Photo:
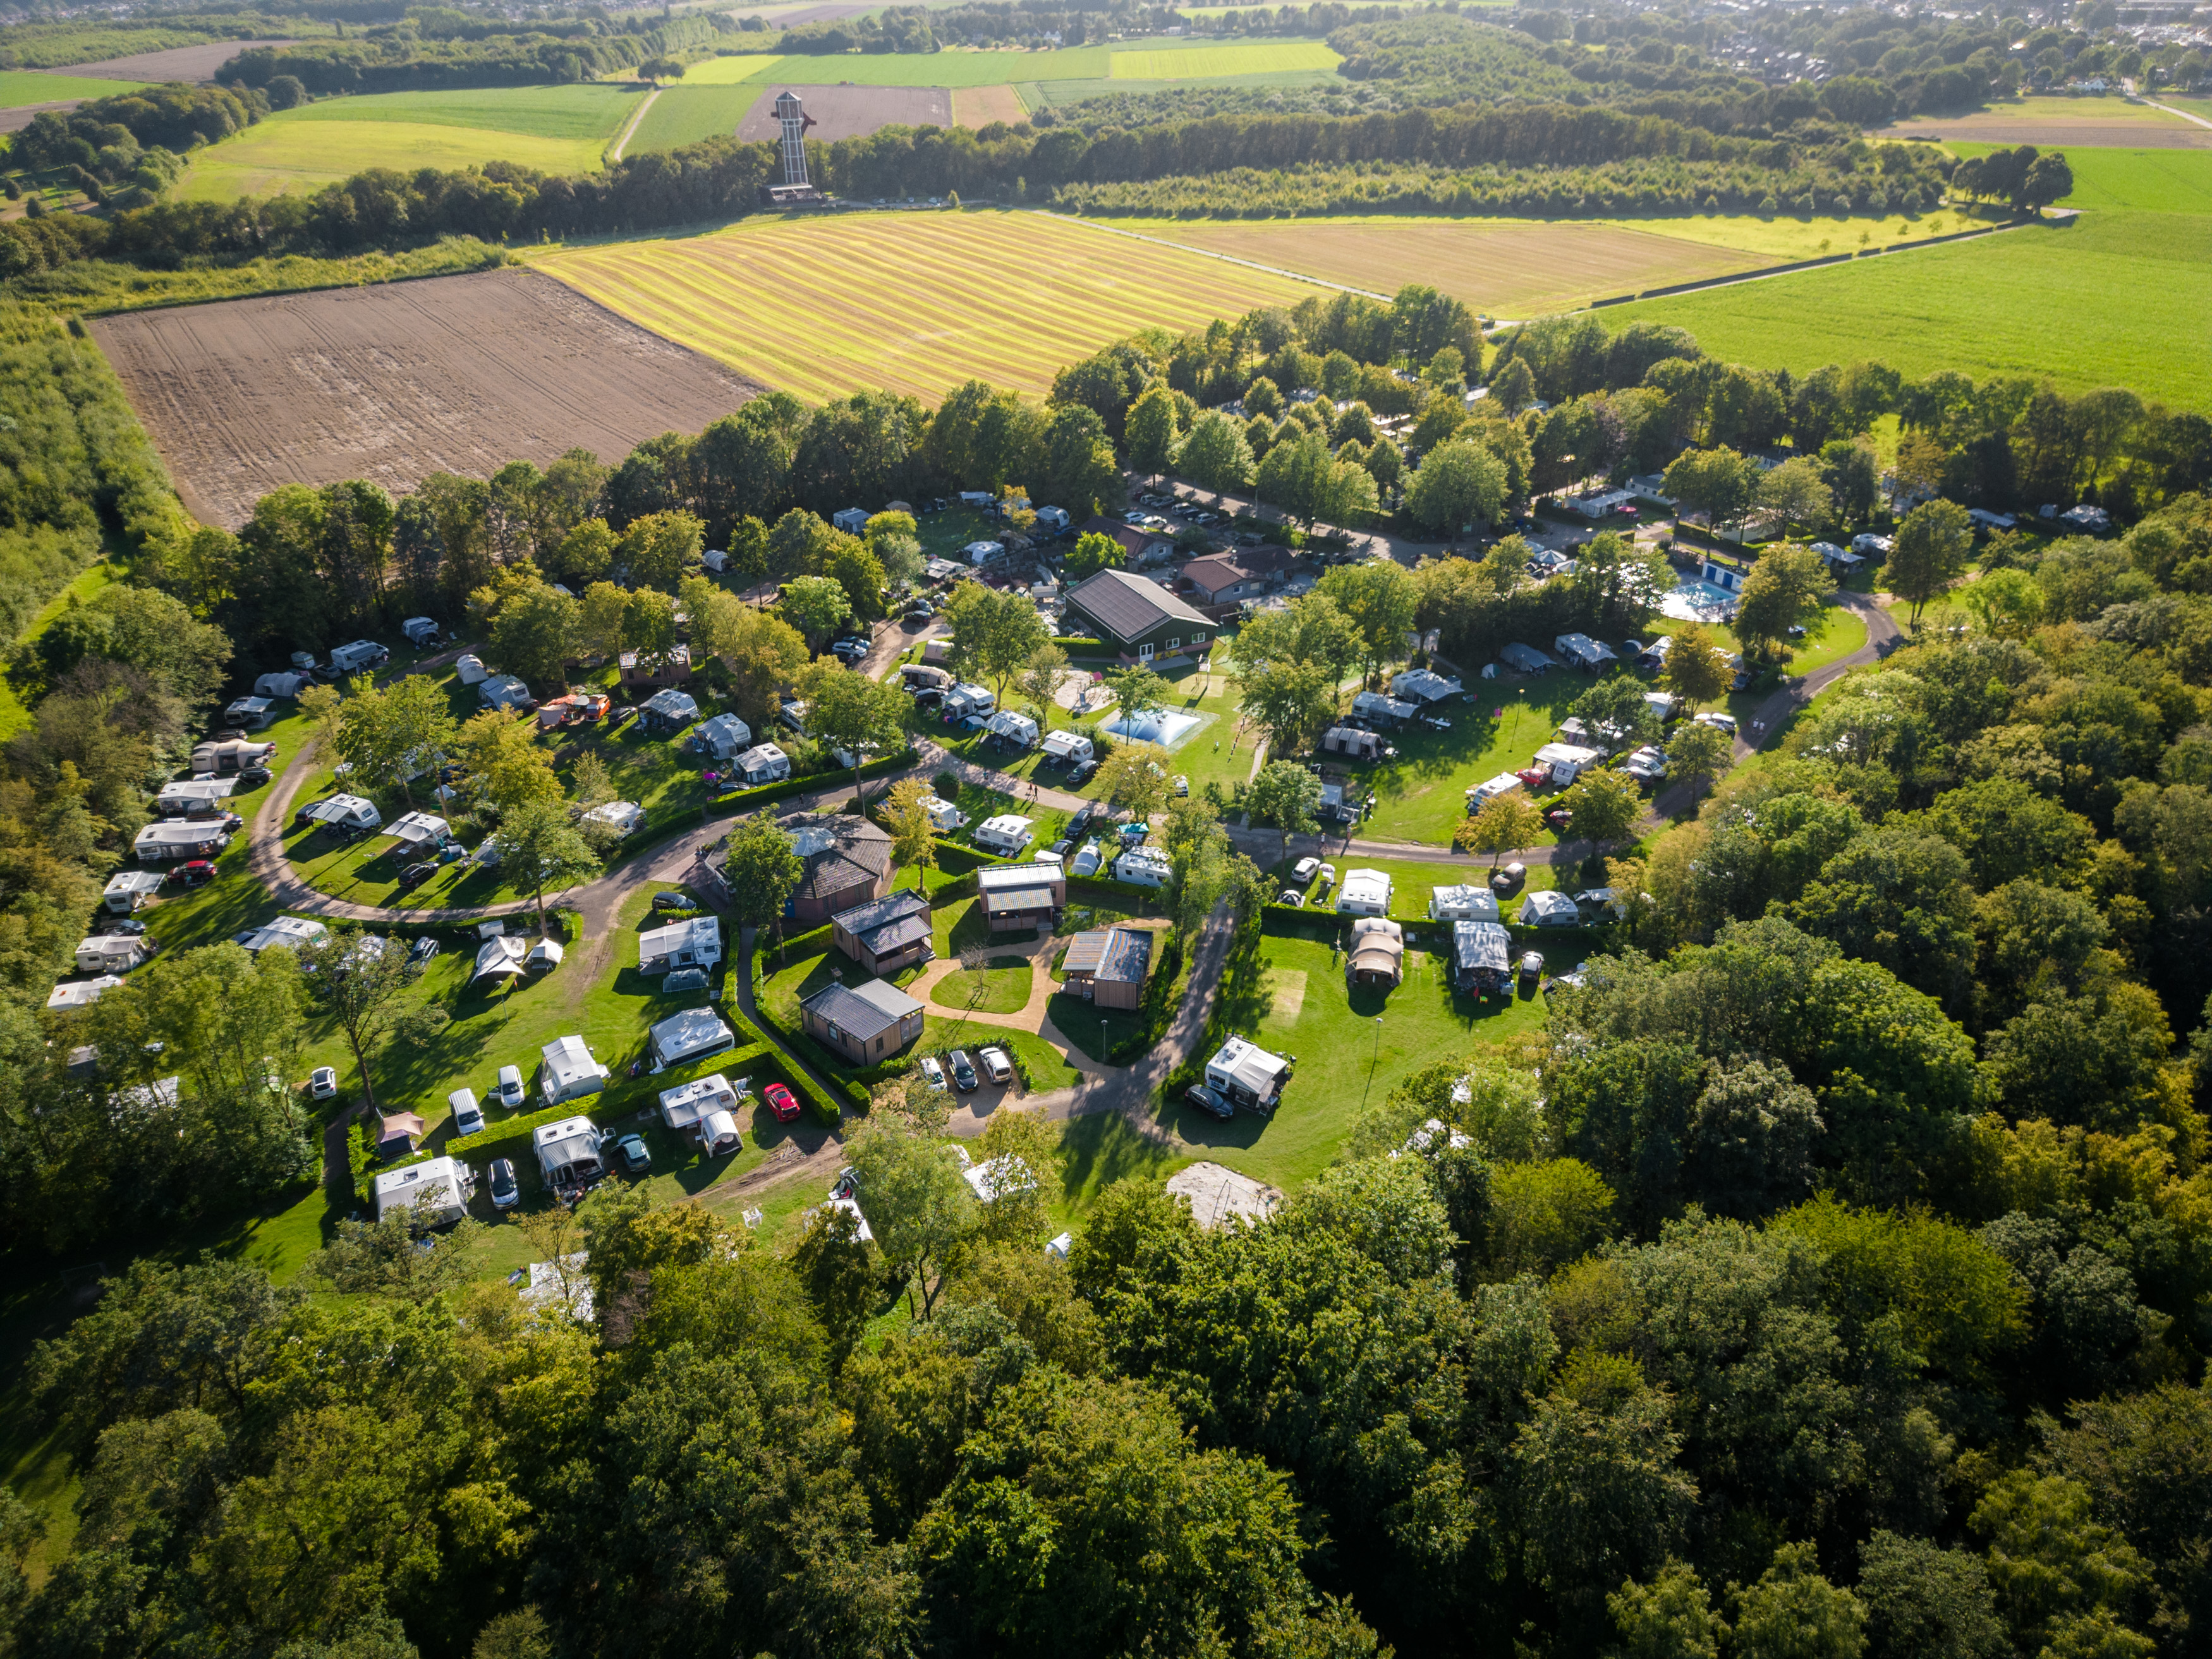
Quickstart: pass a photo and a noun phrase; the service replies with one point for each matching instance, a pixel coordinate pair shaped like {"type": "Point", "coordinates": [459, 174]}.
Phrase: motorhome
{"type": "Point", "coordinates": [1006, 835]}
{"type": "Point", "coordinates": [127, 890]}
{"type": "Point", "coordinates": [1072, 747]}
{"type": "Point", "coordinates": [359, 657]}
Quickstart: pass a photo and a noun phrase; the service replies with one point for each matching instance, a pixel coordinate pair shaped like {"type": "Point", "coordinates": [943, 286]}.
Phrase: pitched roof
{"type": "Point", "coordinates": [1129, 606]}
{"type": "Point", "coordinates": [841, 852]}
{"type": "Point", "coordinates": [1219, 570]}
{"type": "Point", "coordinates": [1134, 541]}
{"type": "Point", "coordinates": [889, 923]}
{"type": "Point", "coordinates": [1129, 950]}
{"type": "Point", "coordinates": [865, 1010]}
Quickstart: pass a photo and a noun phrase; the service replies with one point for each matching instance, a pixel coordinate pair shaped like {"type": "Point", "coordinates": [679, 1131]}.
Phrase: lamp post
{"type": "Point", "coordinates": [1372, 1060]}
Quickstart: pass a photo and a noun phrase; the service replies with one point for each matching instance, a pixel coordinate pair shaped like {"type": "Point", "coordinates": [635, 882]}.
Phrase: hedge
{"type": "Point", "coordinates": [742, 800]}
{"type": "Point", "coordinates": [816, 942]}
{"type": "Point", "coordinates": [511, 1136]}
{"type": "Point", "coordinates": [1073, 643]}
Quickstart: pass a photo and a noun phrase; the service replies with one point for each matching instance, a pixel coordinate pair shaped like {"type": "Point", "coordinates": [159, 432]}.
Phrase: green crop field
{"type": "Point", "coordinates": [551, 129]}
{"type": "Point", "coordinates": [2142, 180]}
{"type": "Point", "coordinates": [1222, 61]}
{"type": "Point", "coordinates": [2117, 298]}
{"type": "Point", "coordinates": [22, 88]}
{"type": "Point", "coordinates": [911, 302]}
{"type": "Point", "coordinates": [1156, 60]}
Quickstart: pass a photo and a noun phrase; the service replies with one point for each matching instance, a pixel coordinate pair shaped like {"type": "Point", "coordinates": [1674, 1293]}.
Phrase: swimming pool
{"type": "Point", "coordinates": [1170, 730]}
{"type": "Point", "coordinates": [1695, 600]}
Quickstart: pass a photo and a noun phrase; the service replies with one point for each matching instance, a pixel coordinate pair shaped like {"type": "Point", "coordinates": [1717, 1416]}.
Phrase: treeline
{"type": "Point", "coordinates": [56, 45]}
{"type": "Point", "coordinates": [127, 151]}
{"type": "Point", "coordinates": [426, 52]}
{"type": "Point", "coordinates": [895, 28]}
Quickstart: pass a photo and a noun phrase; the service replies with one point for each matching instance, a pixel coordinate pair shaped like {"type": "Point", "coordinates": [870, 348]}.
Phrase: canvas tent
{"type": "Point", "coordinates": [723, 738]}
{"type": "Point", "coordinates": [499, 958]}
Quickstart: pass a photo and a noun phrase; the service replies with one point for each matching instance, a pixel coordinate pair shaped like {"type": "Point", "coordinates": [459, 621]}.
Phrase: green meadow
{"type": "Point", "coordinates": [24, 89]}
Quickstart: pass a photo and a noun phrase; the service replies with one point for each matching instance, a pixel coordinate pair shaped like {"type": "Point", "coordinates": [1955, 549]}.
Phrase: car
{"type": "Point", "coordinates": [468, 1117]}
{"type": "Point", "coordinates": [416, 874]}
{"type": "Point", "coordinates": [507, 1091]}
{"type": "Point", "coordinates": [1083, 772]}
{"type": "Point", "coordinates": [684, 979]}
{"type": "Point", "coordinates": [1534, 777]}
{"type": "Point", "coordinates": [423, 951]}
{"type": "Point", "coordinates": [631, 1150]}
{"type": "Point", "coordinates": [1304, 869]}
{"type": "Point", "coordinates": [1713, 717]}
{"type": "Point", "coordinates": [1560, 818]}
{"type": "Point", "coordinates": [849, 650]}
{"type": "Point", "coordinates": [1182, 785]}
{"type": "Point", "coordinates": [129, 925]}
{"type": "Point", "coordinates": [963, 1071]}
{"type": "Point", "coordinates": [781, 1104]}
{"type": "Point", "coordinates": [678, 900]}
{"type": "Point", "coordinates": [1207, 1101]}
{"type": "Point", "coordinates": [1292, 896]}
{"type": "Point", "coordinates": [1080, 822]}
{"type": "Point", "coordinates": [1061, 847]}
{"type": "Point", "coordinates": [506, 1190]}
{"type": "Point", "coordinates": [1510, 880]}
{"type": "Point", "coordinates": [322, 1082]}
{"type": "Point", "coordinates": [932, 1072]}
{"type": "Point", "coordinates": [253, 777]}
{"type": "Point", "coordinates": [193, 872]}
{"type": "Point", "coordinates": [1532, 967]}
{"type": "Point", "coordinates": [996, 1065]}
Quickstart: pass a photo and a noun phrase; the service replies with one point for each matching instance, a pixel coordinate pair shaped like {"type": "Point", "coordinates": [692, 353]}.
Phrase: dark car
{"type": "Point", "coordinates": [634, 1157]}
{"type": "Point", "coordinates": [194, 872]}
{"type": "Point", "coordinates": [1080, 822]}
{"type": "Point", "coordinates": [416, 874]}
{"type": "Point", "coordinates": [1532, 969]}
{"type": "Point", "coordinates": [253, 777]}
{"type": "Point", "coordinates": [506, 1190]}
{"type": "Point", "coordinates": [1207, 1101]}
{"type": "Point", "coordinates": [782, 1105]}
{"type": "Point", "coordinates": [130, 925]}
{"type": "Point", "coordinates": [675, 901]}
{"type": "Point", "coordinates": [684, 979]}
{"type": "Point", "coordinates": [1083, 772]}
{"type": "Point", "coordinates": [963, 1071]}
{"type": "Point", "coordinates": [1510, 880]}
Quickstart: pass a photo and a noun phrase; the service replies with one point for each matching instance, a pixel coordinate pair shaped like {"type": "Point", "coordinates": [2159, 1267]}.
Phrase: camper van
{"type": "Point", "coordinates": [250, 713]}
{"type": "Point", "coordinates": [358, 657]}
{"type": "Point", "coordinates": [421, 633]}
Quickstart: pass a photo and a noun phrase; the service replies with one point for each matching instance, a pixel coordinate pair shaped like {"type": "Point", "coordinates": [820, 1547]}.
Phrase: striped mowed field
{"type": "Point", "coordinates": [912, 302]}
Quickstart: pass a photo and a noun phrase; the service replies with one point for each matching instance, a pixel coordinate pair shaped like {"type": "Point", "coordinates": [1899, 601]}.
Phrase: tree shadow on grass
{"type": "Point", "coordinates": [1104, 1147]}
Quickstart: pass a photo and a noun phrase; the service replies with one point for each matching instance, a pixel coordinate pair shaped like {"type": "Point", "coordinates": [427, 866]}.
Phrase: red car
{"type": "Point", "coordinates": [781, 1105]}
{"type": "Point", "coordinates": [196, 873]}
{"type": "Point", "coordinates": [1535, 777]}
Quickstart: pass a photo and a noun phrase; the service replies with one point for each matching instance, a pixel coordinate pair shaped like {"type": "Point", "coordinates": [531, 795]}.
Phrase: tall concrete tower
{"type": "Point", "coordinates": [792, 116]}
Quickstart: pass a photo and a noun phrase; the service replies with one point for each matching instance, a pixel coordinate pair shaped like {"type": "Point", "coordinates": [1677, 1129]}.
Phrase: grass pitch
{"type": "Point", "coordinates": [1156, 60]}
{"type": "Point", "coordinates": [558, 130]}
{"type": "Point", "coordinates": [913, 303]}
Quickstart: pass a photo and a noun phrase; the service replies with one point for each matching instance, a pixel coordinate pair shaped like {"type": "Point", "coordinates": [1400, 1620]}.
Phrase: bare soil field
{"type": "Point", "coordinates": [2057, 122]}
{"type": "Point", "coordinates": [176, 64]}
{"type": "Point", "coordinates": [1508, 270]}
{"type": "Point", "coordinates": [393, 383]}
{"type": "Point", "coordinates": [855, 111]}
{"type": "Point", "coordinates": [978, 107]}
{"type": "Point", "coordinates": [14, 120]}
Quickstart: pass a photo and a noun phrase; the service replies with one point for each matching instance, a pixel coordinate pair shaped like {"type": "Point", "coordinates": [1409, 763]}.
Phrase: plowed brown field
{"type": "Point", "coordinates": [451, 374]}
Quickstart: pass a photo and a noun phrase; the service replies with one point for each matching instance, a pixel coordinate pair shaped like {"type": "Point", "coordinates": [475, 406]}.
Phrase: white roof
{"type": "Point", "coordinates": [1545, 904]}
{"type": "Point", "coordinates": [1146, 858]}
{"type": "Point", "coordinates": [993, 877]}
{"type": "Point", "coordinates": [420, 826]}
{"type": "Point", "coordinates": [567, 1059]}
{"type": "Point", "coordinates": [345, 809]}
{"type": "Point", "coordinates": [1467, 902]}
{"type": "Point", "coordinates": [687, 1103]}
{"type": "Point", "coordinates": [500, 956]}
{"type": "Point", "coordinates": [1421, 683]}
{"type": "Point", "coordinates": [764, 757]}
{"type": "Point", "coordinates": [1066, 743]}
{"type": "Point", "coordinates": [692, 933]}
{"type": "Point", "coordinates": [289, 931]}
{"type": "Point", "coordinates": [175, 832]}
{"type": "Point", "coordinates": [133, 881]}
{"type": "Point", "coordinates": [1008, 825]}
{"type": "Point", "coordinates": [625, 815]}
{"type": "Point", "coordinates": [1573, 753]}
{"type": "Point", "coordinates": [434, 1185]}
{"type": "Point", "coordinates": [82, 993]}
{"type": "Point", "coordinates": [724, 732]}
{"type": "Point", "coordinates": [687, 1033]}
{"type": "Point", "coordinates": [502, 689]}
{"type": "Point", "coordinates": [1374, 701]}
{"type": "Point", "coordinates": [566, 1141]}
{"type": "Point", "coordinates": [1249, 1064]}
{"type": "Point", "coordinates": [1012, 725]}
{"type": "Point", "coordinates": [546, 950]}
{"type": "Point", "coordinates": [673, 704]}
{"type": "Point", "coordinates": [1364, 886]}
{"type": "Point", "coordinates": [198, 788]}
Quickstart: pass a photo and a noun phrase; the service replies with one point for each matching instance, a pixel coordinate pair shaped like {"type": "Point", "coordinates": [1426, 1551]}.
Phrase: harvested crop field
{"type": "Point", "coordinates": [1508, 270]}
{"type": "Point", "coordinates": [913, 302]}
{"type": "Point", "coordinates": [853, 111]}
{"type": "Point", "coordinates": [393, 383]}
{"type": "Point", "coordinates": [978, 107]}
{"type": "Point", "coordinates": [176, 64]}
{"type": "Point", "coordinates": [2061, 121]}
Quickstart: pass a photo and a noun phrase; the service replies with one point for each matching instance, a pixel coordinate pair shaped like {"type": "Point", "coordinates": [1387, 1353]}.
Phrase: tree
{"type": "Point", "coordinates": [846, 710]}
{"type": "Point", "coordinates": [832, 1263]}
{"type": "Point", "coordinates": [1513, 388]}
{"type": "Point", "coordinates": [912, 835]}
{"type": "Point", "coordinates": [1040, 679]}
{"type": "Point", "coordinates": [1150, 429]}
{"type": "Point", "coordinates": [1718, 482]}
{"type": "Point", "coordinates": [360, 980]}
{"type": "Point", "coordinates": [659, 548]}
{"type": "Point", "coordinates": [1138, 694]}
{"type": "Point", "coordinates": [1291, 701]}
{"type": "Point", "coordinates": [1457, 486]}
{"type": "Point", "coordinates": [1924, 1602]}
{"type": "Point", "coordinates": [648, 627]}
{"type": "Point", "coordinates": [324, 707]}
{"type": "Point", "coordinates": [818, 606]}
{"type": "Point", "coordinates": [1134, 778]}
{"type": "Point", "coordinates": [1380, 600]}
{"type": "Point", "coordinates": [396, 1255]}
{"type": "Point", "coordinates": [1284, 798]}
{"type": "Point", "coordinates": [1697, 670]}
{"type": "Point", "coordinates": [1670, 1618]}
{"type": "Point", "coordinates": [1785, 590]}
{"type": "Point", "coordinates": [599, 624]}
{"type": "Point", "coordinates": [1931, 549]}
{"type": "Point", "coordinates": [2008, 605]}
{"type": "Point", "coordinates": [1217, 455]}
{"type": "Point", "coordinates": [1505, 823]}
{"type": "Point", "coordinates": [853, 567]}
{"type": "Point", "coordinates": [1697, 753]}
{"type": "Point", "coordinates": [1616, 710]}
{"type": "Point", "coordinates": [1606, 805]}
{"type": "Point", "coordinates": [918, 1205]}
{"type": "Point", "coordinates": [507, 768]}
{"type": "Point", "coordinates": [540, 847]}
{"type": "Point", "coordinates": [1797, 492]}
{"type": "Point", "coordinates": [761, 653]}
{"type": "Point", "coordinates": [993, 633]}
{"type": "Point", "coordinates": [1094, 550]}
{"type": "Point", "coordinates": [762, 868]}
{"type": "Point", "coordinates": [1793, 1612]}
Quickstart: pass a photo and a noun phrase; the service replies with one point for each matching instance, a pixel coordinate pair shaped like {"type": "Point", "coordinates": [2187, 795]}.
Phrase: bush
{"type": "Point", "coordinates": [744, 800]}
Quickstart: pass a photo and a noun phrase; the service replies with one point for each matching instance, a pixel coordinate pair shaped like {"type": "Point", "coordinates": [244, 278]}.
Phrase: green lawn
{"type": "Point", "coordinates": [997, 989]}
{"type": "Point", "coordinates": [13, 714]}
{"type": "Point", "coordinates": [2141, 181]}
{"type": "Point", "coordinates": [2132, 287]}
{"type": "Point", "coordinates": [27, 88]}
{"type": "Point", "coordinates": [594, 110]}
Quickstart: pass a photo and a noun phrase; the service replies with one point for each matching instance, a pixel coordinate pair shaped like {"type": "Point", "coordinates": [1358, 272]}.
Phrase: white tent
{"type": "Point", "coordinates": [625, 815]}
{"type": "Point", "coordinates": [279, 685]}
{"type": "Point", "coordinates": [499, 958]}
{"type": "Point", "coordinates": [469, 670]}
{"type": "Point", "coordinates": [1547, 909]}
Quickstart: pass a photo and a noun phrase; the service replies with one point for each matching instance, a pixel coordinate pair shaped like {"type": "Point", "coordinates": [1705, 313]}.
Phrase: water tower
{"type": "Point", "coordinates": [791, 115]}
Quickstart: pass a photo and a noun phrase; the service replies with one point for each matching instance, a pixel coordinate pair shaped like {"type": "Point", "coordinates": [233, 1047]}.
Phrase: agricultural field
{"type": "Point", "coordinates": [2058, 123]}
{"type": "Point", "coordinates": [195, 63]}
{"type": "Point", "coordinates": [564, 129]}
{"type": "Point", "coordinates": [27, 89]}
{"type": "Point", "coordinates": [978, 106]}
{"type": "Point", "coordinates": [1527, 267]}
{"type": "Point", "coordinates": [392, 383]}
{"type": "Point", "coordinates": [2117, 298]}
{"type": "Point", "coordinates": [911, 302]}
{"type": "Point", "coordinates": [2138, 181]}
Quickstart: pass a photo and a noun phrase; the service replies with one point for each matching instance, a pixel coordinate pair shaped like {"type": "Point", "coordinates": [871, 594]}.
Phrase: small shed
{"type": "Point", "coordinates": [1108, 966]}
{"type": "Point", "coordinates": [632, 669]}
{"type": "Point", "coordinates": [850, 520]}
{"type": "Point", "coordinates": [887, 934]}
{"type": "Point", "coordinates": [1016, 897]}
{"type": "Point", "coordinates": [865, 1024]}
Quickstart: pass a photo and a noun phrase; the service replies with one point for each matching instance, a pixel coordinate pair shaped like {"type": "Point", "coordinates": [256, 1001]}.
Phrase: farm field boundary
{"type": "Point", "coordinates": [2142, 180]}
{"type": "Point", "coordinates": [911, 302]}
{"type": "Point", "coordinates": [392, 383]}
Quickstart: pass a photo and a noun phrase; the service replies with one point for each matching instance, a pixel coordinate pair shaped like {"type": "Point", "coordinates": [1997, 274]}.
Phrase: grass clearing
{"type": "Point", "coordinates": [2117, 298]}
{"type": "Point", "coordinates": [595, 110]}
{"type": "Point", "coordinates": [13, 714]}
{"type": "Point", "coordinates": [997, 989]}
{"type": "Point", "coordinates": [958, 67]}
{"type": "Point", "coordinates": [892, 300]}
{"type": "Point", "coordinates": [27, 89]}
{"type": "Point", "coordinates": [2142, 180]}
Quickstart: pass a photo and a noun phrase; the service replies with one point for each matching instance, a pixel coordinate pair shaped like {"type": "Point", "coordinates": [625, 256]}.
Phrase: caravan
{"type": "Point", "coordinates": [360, 657]}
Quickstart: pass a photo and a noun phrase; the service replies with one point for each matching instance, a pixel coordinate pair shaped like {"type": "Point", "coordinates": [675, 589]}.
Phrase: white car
{"type": "Point", "coordinates": [1714, 718]}
{"type": "Point", "coordinates": [1304, 870]}
{"type": "Point", "coordinates": [996, 1065]}
{"type": "Point", "coordinates": [932, 1073]}
{"type": "Point", "coordinates": [322, 1082]}
{"type": "Point", "coordinates": [508, 1090]}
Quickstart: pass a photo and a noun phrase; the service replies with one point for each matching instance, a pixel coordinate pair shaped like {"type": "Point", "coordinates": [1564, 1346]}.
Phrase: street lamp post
{"type": "Point", "coordinates": [1372, 1058]}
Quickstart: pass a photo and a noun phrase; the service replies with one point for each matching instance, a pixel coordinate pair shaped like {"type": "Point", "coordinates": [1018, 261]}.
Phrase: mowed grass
{"type": "Point", "coordinates": [2117, 298]}
{"type": "Point", "coordinates": [915, 303]}
{"type": "Point", "coordinates": [2142, 180]}
{"type": "Point", "coordinates": [1527, 267]}
{"type": "Point", "coordinates": [556, 130]}
{"type": "Point", "coordinates": [26, 88]}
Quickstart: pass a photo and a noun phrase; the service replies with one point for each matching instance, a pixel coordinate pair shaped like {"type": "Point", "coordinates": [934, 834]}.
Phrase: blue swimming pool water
{"type": "Point", "coordinates": [1698, 601]}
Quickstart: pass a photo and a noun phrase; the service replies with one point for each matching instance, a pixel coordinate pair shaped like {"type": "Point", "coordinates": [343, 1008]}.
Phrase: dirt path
{"type": "Point", "coordinates": [631, 126]}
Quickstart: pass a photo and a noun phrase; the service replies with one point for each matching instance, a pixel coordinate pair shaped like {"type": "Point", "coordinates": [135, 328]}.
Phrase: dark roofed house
{"type": "Point", "coordinates": [1136, 544]}
{"type": "Point", "coordinates": [865, 1023]}
{"type": "Point", "coordinates": [886, 934]}
{"type": "Point", "coordinates": [847, 862]}
{"type": "Point", "coordinates": [1141, 619]}
{"type": "Point", "coordinates": [1222, 581]}
{"type": "Point", "coordinates": [1109, 965]}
